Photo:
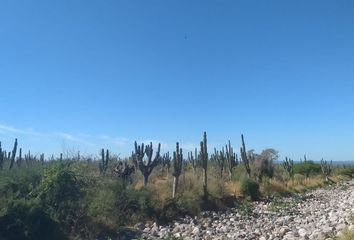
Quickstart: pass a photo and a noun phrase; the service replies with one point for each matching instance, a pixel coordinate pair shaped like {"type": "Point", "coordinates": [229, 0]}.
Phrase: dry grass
{"type": "Point", "coordinates": [190, 182]}
{"type": "Point", "coordinates": [301, 184]}
{"type": "Point", "coordinates": [233, 188]}
{"type": "Point", "coordinates": [346, 235]}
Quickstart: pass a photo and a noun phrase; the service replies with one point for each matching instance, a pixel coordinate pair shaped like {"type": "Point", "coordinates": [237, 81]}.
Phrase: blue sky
{"type": "Point", "coordinates": [85, 75]}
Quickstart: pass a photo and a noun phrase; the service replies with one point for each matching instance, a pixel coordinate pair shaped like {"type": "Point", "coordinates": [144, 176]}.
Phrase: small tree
{"type": "Point", "coordinates": [146, 167]}
{"type": "Point", "coordinates": [263, 164]}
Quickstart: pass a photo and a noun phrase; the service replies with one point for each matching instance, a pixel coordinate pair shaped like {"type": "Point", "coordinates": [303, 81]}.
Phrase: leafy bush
{"type": "Point", "coordinates": [307, 168]}
{"type": "Point", "coordinates": [18, 183]}
{"type": "Point", "coordinates": [347, 171]}
{"type": "Point", "coordinates": [250, 188]}
{"type": "Point", "coordinates": [263, 164]}
{"type": "Point", "coordinates": [59, 193]}
{"type": "Point", "coordinates": [121, 206]}
{"type": "Point", "coordinates": [183, 204]}
{"type": "Point", "coordinates": [26, 220]}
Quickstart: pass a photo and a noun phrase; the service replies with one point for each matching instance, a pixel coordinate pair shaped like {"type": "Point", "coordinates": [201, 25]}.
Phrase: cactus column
{"type": "Point", "coordinates": [288, 165]}
{"type": "Point", "coordinates": [146, 167]}
{"type": "Point", "coordinates": [1, 157]}
{"type": "Point", "coordinates": [177, 168]}
{"type": "Point", "coordinates": [13, 155]}
{"type": "Point", "coordinates": [326, 169]}
{"type": "Point", "coordinates": [231, 158]}
{"type": "Point", "coordinates": [104, 162]}
{"type": "Point", "coordinates": [244, 157]}
{"type": "Point", "coordinates": [204, 160]}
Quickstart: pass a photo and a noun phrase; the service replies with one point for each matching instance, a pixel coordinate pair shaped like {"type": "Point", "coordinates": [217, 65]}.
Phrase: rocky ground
{"type": "Point", "coordinates": [318, 214]}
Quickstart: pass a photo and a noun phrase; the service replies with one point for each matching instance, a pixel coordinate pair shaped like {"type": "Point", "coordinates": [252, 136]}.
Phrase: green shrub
{"type": "Point", "coordinates": [347, 171]}
{"type": "Point", "coordinates": [121, 206]}
{"type": "Point", "coordinates": [180, 206]}
{"type": "Point", "coordinates": [19, 182]}
{"type": "Point", "coordinates": [59, 194]}
{"type": "Point", "coordinates": [307, 168]}
{"type": "Point", "coordinates": [26, 220]}
{"type": "Point", "coordinates": [250, 188]}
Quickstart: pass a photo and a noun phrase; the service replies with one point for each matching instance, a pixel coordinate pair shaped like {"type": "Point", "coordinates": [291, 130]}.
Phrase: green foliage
{"type": "Point", "coordinates": [263, 164]}
{"type": "Point", "coordinates": [238, 173]}
{"type": "Point", "coordinates": [250, 188]}
{"type": "Point", "coordinates": [121, 206]}
{"type": "Point", "coordinates": [307, 168]}
{"type": "Point", "coordinates": [181, 205]}
{"type": "Point", "coordinates": [347, 171]}
{"type": "Point", "coordinates": [59, 193]}
{"type": "Point", "coordinates": [245, 208]}
{"type": "Point", "coordinates": [27, 220]}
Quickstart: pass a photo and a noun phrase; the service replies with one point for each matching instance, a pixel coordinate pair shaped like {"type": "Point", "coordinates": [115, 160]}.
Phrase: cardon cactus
{"type": "Point", "coordinates": [146, 167]}
{"type": "Point", "coordinates": [177, 168]}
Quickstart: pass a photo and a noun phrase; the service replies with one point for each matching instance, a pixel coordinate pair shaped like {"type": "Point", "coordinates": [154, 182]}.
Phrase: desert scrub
{"type": "Point", "coordinates": [250, 188]}
{"type": "Point", "coordinates": [116, 205]}
{"type": "Point", "coordinates": [245, 208]}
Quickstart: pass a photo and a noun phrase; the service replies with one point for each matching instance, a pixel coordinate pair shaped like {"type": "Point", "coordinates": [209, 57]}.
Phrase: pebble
{"type": "Point", "coordinates": [316, 215]}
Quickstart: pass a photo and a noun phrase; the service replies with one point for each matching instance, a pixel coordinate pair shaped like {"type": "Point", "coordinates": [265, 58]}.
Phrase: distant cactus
{"type": "Point", "coordinates": [326, 169]}
{"type": "Point", "coordinates": [177, 168]}
{"type": "Point", "coordinates": [13, 154]}
{"type": "Point", "coordinates": [146, 167]}
{"type": "Point", "coordinates": [1, 157]}
{"type": "Point", "coordinates": [166, 162]}
{"type": "Point", "coordinates": [193, 160]}
{"type": "Point", "coordinates": [245, 157]}
{"type": "Point", "coordinates": [203, 155]}
{"type": "Point", "coordinates": [124, 171]}
{"type": "Point", "coordinates": [220, 158]}
{"type": "Point", "coordinates": [103, 165]}
{"type": "Point", "coordinates": [288, 165]}
{"type": "Point", "coordinates": [41, 158]}
{"type": "Point", "coordinates": [231, 158]}
{"type": "Point", "coordinates": [19, 159]}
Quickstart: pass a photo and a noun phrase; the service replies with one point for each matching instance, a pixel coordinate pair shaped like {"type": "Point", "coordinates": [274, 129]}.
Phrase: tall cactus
{"type": "Point", "coordinates": [177, 168]}
{"type": "Point", "coordinates": [220, 158]}
{"type": "Point", "coordinates": [193, 160]}
{"type": "Point", "coordinates": [204, 161]}
{"type": "Point", "coordinates": [1, 157]}
{"type": "Point", "coordinates": [244, 157]}
{"type": "Point", "coordinates": [124, 171]}
{"type": "Point", "coordinates": [288, 165]}
{"type": "Point", "coordinates": [103, 165]}
{"type": "Point", "coordinates": [41, 158]}
{"type": "Point", "coordinates": [13, 154]}
{"type": "Point", "coordinates": [231, 158]}
{"type": "Point", "coordinates": [166, 162]}
{"type": "Point", "coordinates": [146, 167]}
{"type": "Point", "coordinates": [326, 169]}
{"type": "Point", "coordinates": [19, 159]}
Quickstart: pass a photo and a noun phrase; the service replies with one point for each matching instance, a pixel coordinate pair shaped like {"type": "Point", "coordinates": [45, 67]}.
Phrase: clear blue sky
{"type": "Point", "coordinates": [100, 74]}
